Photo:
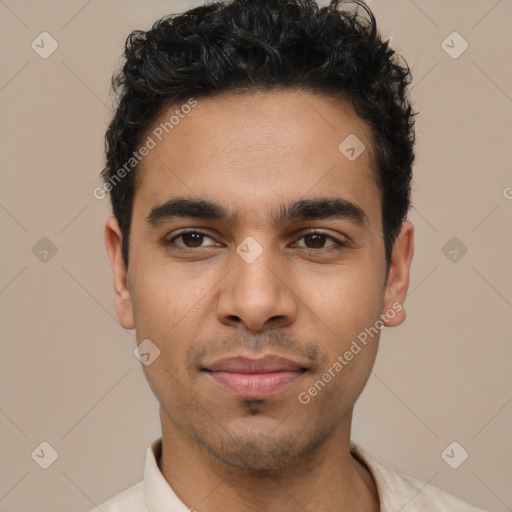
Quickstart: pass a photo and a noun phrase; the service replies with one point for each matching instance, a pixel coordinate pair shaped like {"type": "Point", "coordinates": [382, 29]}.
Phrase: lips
{"type": "Point", "coordinates": [255, 378]}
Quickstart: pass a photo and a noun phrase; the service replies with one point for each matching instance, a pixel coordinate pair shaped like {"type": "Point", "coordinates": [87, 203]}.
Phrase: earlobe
{"type": "Point", "coordinates": [398, 277]}
{"type": "Point", "coordinates": [122, 296]}
{"type": "Point", "coordinates": [125, 294]}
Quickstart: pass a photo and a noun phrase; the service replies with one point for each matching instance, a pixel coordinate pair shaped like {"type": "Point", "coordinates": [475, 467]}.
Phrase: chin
{"type": "Point", "coordinates": [261, 445]}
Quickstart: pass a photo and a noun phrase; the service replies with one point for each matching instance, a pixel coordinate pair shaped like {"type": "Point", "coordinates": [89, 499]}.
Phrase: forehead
{"type": "Point", "coordinates": [253, 151]}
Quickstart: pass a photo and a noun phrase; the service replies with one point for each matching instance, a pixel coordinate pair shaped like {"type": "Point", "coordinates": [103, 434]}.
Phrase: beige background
{"type": "Point", "coordinates": [68, 374]}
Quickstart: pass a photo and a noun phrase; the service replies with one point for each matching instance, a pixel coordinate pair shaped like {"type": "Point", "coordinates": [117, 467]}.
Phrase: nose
{"type": "Point", "coordinates": [256, 294]}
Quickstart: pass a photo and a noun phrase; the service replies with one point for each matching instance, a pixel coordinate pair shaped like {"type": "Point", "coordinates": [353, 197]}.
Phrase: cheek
{"type": "Point", "coordinates": [348, 300]}
{"type": "Point", "coordinates": [349, 310]}
{"type": "Point", "coordinates": [335, 388]}
{"type": "Point", "coordinates": [329, 396]}
{"type": "Point", "coordinates": [169, 309]}
{"type": "Point", "coordinates": [166, 298]}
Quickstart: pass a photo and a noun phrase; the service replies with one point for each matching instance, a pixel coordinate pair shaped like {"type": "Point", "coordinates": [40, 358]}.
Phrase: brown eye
{"type": "Point", "coordinates": [316, 240]}
{"type": "Point", "coordinates": [191, 239]}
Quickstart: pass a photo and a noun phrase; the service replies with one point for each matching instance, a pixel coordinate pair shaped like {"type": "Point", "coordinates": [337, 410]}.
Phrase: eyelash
{"type": "Point", "coordinates": [339, 244]}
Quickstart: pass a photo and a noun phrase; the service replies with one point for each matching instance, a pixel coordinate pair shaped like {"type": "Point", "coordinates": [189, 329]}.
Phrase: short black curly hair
{"type": "Point", "coordinates": [240, 46]}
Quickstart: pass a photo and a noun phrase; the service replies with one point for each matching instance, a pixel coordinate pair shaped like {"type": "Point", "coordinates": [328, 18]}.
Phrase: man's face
{"type": "Point", "coordinates": [257, 282]}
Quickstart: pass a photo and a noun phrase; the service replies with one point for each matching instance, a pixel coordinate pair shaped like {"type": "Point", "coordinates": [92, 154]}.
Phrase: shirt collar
{"type": "Point", "coordinates": [160, 497]}
{"type": "Point", "coordinates": [383, 476]}
{"type": "Point", "coordinates": [158, 493]}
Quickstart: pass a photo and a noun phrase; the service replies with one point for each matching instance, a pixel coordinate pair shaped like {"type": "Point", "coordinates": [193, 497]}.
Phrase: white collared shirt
{"type": "Point", "coordinates": [397, 492]}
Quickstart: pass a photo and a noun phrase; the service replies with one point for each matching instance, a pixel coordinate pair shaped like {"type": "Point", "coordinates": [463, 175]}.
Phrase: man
{"type": "Point", "coordinates": [259, 165]}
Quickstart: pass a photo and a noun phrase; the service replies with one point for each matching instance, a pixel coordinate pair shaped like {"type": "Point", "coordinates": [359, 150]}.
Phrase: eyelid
{"type": "Point", "coordinates": [343, 242]}
{"type": "Point", "coordinates": [186, 231]}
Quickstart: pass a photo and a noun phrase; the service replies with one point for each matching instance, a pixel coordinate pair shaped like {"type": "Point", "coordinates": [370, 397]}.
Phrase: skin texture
{"type": "Point", "coordinates": [302, 299]}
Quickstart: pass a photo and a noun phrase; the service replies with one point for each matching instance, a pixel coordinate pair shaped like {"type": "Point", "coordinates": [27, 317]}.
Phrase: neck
{"type": "Point", "coordinates": [328, 479]}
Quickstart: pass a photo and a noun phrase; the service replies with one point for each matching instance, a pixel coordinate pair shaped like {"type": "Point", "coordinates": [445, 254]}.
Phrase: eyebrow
{"type": "Point", "coordinates": [304, 209]}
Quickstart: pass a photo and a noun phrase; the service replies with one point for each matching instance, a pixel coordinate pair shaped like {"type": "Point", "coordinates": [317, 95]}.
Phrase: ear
{"type": "Point", "coordinates": [122, 298]}
{"type": "Point", "coordinates": [398, 276]}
